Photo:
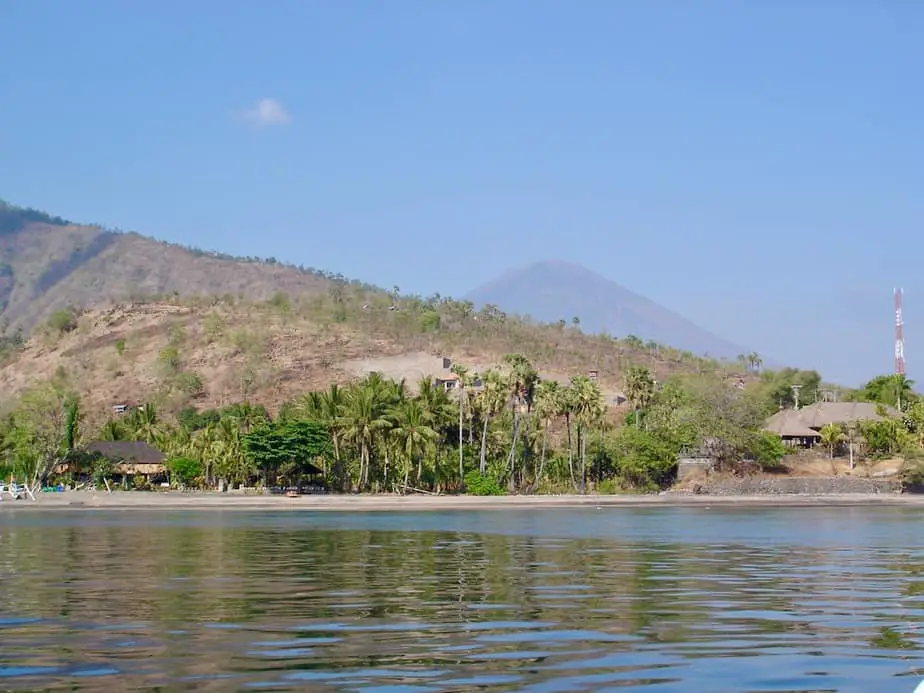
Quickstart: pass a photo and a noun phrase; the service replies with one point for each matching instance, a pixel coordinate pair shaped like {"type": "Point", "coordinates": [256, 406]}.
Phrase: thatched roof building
{"type": "Point", "coordinates": [802, 426]}
{"type": "Point", "coordinates": [131, 456]}
{"type": "Point", "coordinates": [787, 424]}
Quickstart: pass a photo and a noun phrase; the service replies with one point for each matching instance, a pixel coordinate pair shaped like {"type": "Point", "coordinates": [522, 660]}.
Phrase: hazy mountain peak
{"type": "Point", "coordinates": [552, 290]}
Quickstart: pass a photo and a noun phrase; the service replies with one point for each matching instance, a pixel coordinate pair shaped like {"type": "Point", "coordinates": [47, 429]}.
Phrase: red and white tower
{"type": "Point", "coordinates": [899, 339]}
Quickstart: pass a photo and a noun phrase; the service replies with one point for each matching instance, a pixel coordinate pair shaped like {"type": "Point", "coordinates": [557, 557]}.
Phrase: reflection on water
{"type": "Point", "coordinates": [552, 600]}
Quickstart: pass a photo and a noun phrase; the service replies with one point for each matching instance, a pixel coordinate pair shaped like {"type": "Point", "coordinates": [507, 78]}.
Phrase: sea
{"type": "Point", "coordinates": [652, 599]}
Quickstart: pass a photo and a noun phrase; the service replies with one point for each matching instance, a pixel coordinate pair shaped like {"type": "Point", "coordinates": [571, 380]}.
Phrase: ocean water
{"type": "Point", "coordinates": [616, 599]}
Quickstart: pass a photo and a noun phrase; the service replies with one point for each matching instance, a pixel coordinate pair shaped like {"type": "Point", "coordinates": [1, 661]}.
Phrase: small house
{"type": "Point", "coordinates": [447, 381]}
{"type": "Point", "coordinates": [131, 458]}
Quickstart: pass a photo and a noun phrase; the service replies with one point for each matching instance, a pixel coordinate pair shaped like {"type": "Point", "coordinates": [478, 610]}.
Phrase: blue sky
{"type": "Point", "coordinates": [756, 166]}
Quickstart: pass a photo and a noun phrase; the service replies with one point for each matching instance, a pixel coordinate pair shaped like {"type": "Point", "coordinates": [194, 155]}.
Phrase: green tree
{"type": "Point", "coordinates": [639, 388]}
{"type": "Point", "coordinates": [41, 431]}
{"type": "Point", "coordinates": [363, 421]}
{"type": "Point", "coordinates": [589, 411]}
{"type": "Point", "coordinates": [548, 406]}
{"type": "Point", "coordinates": [413, 434]}
{"type": "Point", "coordinates": [461, 372]}
{"type": "Point", "coordinates": [273, 445]}
{"type": "Point", "coordinates": [183, 470]}
{"type": "Point", "coordinates": [832, 435]}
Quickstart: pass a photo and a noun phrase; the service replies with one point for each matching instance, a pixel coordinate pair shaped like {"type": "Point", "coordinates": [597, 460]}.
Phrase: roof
{"type": "Point", "coordinates": [446, 377]}
{"type": "Point", "coordinates": [821, 413]}
{"type": "Point", "coordinates": [800, 424]}
{"type": "Point", "coordinates": [127, 451]}
{"type": "Point", "coordinates": [311, 469]}
{"type": "Point", "coordinates": [787, 424]}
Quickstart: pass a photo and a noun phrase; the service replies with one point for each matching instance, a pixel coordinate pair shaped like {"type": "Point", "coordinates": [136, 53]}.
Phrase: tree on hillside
{"type": "Point", "coordinates": [639, 387]}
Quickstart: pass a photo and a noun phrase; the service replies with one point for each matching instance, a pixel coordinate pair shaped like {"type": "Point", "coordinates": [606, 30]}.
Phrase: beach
{"type": "Point", "coordinates": [75, 500]}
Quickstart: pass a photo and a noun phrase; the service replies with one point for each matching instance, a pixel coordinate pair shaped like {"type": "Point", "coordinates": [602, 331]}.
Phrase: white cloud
{"type": "Point", "coordinates": [267, 112]}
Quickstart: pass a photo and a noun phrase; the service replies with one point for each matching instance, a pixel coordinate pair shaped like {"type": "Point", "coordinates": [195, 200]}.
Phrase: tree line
{"type": "Point", "coordinates": [504, 430]}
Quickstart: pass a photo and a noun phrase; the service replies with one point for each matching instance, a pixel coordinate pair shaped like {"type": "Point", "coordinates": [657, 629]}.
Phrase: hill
{"type": "Point", "coordinates": [125, 317]}
{"type": "Point", "coordinates": [48, 264]}
{"type": "Point", "coordinates": [209, 352]}
{"type": "Point", "coordinates": [552, 290]}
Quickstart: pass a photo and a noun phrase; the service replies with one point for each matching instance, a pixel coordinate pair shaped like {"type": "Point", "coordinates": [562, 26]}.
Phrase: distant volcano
{"type": "Point", "coordinates": [554, 290]}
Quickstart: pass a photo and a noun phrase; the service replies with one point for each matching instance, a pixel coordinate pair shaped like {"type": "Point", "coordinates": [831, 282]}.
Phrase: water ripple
{"type": "Point", "coordinates": [446, 603]}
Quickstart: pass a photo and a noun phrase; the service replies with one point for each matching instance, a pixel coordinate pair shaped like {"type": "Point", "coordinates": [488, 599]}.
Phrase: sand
{"type": "Point", "coordinates": [76, 500]}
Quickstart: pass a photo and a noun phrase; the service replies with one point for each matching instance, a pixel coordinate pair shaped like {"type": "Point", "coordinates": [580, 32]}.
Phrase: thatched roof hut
{"type": "Point", "coordinates": [822, 413]}
{"type": "Point", "coordinates": [130, 456]}
{"type": "Point", "coordinates": [788, 424]}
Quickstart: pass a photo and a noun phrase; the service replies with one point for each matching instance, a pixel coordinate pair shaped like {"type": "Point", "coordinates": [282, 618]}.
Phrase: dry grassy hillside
{"type": "Point", "coordinates": [49, 264]}
{"type": "Point", "coordinates": [213, 351]}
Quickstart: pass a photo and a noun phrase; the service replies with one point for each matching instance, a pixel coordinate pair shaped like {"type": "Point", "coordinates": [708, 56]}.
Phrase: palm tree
{"type": "Point", "coordinates": [492, 399]}
{"type": "Point", "coordinates": [639, 389]}
{"type": "Point", "coordinates": [903, 388]}
{"type": "Point", "coordinates": [145, 424]}
{"type": "Point", "coordinates": [565, 402]}
{"type": "Point", "coordinates": [461, 372]}
{"type": "Point", "coordinates": [362, 422]}
{"type": "Point", "coordinates": [331, 406]}
{"type": "Point", "coordinates": [521, 382]}
{"type": "Point", "coordinates": [589, 411]}
{"type": "Point", "coordinates": [832, 434]}
{"type": "Point", "coordinates": [112, 430]}
{"type": "Point", "coordinates": [413, 434]}
{"type": "Point", "coordinates": [439, 411]}
{"type": "Point", "coordinates": [548, 405]}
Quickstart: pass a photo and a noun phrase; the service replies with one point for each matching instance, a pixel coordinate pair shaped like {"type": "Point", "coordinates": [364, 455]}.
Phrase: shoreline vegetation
{"type": "Point", "coordinates": [504, 431]}
{"type": "Point", "coordinates": [215, 501]}
{"type": "Point", "coordinates": [293, 389]}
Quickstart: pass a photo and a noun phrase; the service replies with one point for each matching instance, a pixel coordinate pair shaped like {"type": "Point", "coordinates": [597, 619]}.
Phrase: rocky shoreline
{"type": "Point", "coordinates": [782, 486]}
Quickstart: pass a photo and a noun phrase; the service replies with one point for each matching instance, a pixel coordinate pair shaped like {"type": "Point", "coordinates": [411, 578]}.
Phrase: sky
{"type": "Point", "coordinates": [755, 166]}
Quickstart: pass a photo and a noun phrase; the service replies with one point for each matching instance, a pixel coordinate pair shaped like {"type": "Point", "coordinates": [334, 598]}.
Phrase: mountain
{"type": "Point", "coordinates": [48, 264]}
{"type": "Point", "coordinates": [119, 317]}
{"type": "Point", "coordinates": [552, 290]}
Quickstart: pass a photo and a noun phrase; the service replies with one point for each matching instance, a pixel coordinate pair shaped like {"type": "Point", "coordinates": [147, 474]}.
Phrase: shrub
{"type": "Point", "coordinates": [176, 335]}
{"type": "Point", "coordinates": [184, 470]}
{"type": "Point", "coordinates": [249, 343]}
{"type": "Point", "coordinates": [62, 321]}
{"type": "Point", "coordinates": [768, 451]}
{"type": "Point", "coordinates": [280, 301]}
{"type": "Point", "coordinates": [189, 382]}
{"type": "Point", "coordinates": [102, 470]}
{"type": "Point", "coordinates": [169, 359]}
{"type": "Point", "coordinates": [912, 470]}
{"type": "Point", "coordinates": [478, 485]}
{"type": "Point", "coordinates": [213, 326]}
{"type": "Point", "coordinates": [430, 321]}
{"type": "Point", "coordinates": [120, 347]}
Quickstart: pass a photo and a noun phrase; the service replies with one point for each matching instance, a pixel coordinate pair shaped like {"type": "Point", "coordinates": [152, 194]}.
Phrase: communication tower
{"type": "Point", "coordinates": [899, 338]}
